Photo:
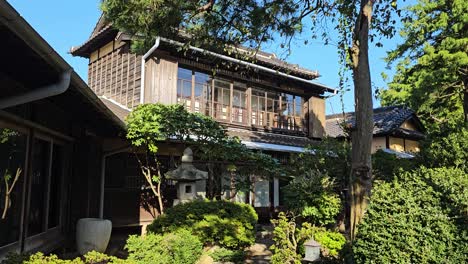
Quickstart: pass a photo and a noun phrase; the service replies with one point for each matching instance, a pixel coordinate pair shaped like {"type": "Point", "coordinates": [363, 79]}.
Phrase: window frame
{"type": "Point", "coordinates": [226, 111]}
{"type": "Point", "coordinates": [26, 243]}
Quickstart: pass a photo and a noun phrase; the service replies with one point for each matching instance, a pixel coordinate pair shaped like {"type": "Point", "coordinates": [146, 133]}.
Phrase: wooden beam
{"type": "Point", "coordinates": [249, 105]}
{"type": "Point", "coordinates": [231, 95]}
{"type": "Point", "coordinates": [192, 97]}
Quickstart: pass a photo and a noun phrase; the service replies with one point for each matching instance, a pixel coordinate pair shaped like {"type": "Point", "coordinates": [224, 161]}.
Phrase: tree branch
{"type": "Point", "coordinates": [208, 6]}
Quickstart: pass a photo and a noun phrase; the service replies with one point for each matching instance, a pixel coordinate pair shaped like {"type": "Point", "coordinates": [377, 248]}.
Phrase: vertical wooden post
{"type": "Point", "coordinates": [280, 114]}
{"type": "Point", "coordinates": [212, 113]}
{"type": "Point", "coordinates": [294, 113]}
{"type": "Point", "coordinates": [192, 97]}
{"type": "Point", "coordinates": [249, 106]}
{"type": "Point", "coordinates": [231, 95]}
{"type": "Point", "coordinates": [128, 76]}
{"type": "Point", "coordinates": [265, 115]}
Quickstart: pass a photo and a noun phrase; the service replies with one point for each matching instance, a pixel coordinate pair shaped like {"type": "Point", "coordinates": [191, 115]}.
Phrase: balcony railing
{"type": "Point", "coordinates": [233, 103]}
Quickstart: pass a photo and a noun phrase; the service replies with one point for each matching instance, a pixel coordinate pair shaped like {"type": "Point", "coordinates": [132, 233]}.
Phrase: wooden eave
{"type": "Point", "coordinates": [33, 63]}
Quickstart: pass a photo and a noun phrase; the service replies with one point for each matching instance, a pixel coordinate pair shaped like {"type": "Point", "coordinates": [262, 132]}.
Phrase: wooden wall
{"type": "Point", "coordinates": [316, 116]}
{"type": "Point", "coordinates": [160, 81]}
{"type": "Point", "coordinates": [115, 73]}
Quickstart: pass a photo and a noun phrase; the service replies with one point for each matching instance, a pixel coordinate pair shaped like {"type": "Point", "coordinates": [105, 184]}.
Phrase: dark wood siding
{"type": "Point", "coordinates": [116, 75]}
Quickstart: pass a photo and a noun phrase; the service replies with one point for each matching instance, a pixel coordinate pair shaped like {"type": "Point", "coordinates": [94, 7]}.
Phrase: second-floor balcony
{"type": "Point", "coordinates": [239, 104]}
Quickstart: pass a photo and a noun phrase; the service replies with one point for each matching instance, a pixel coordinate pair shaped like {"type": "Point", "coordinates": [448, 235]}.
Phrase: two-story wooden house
{"type": "Point", "coordinates": [271, 105]}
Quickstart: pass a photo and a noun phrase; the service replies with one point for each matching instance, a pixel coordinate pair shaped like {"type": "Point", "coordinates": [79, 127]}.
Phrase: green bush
{"type": "Point", "coordinates": [312, 197]}
{"type": "Point", "coordinates": [92, 257]}
{"type": "Point", "coordinates": [419, 217]}
{"type": "Point", "coordinates": [228, 255]}
{"type": "Point", "coordinates": [15, 258]}
{"type": "Point", "coordinates": [289, 241]}
{"type": "Point", "coordinates": [180, 247]}
{"type": "Point", "coordinates": [227, 224]}
{"type": "Point", "coordinates": [331, 242]}
{"type": "Point", "coordinates": [446, 150]}
{"type": "Point", "coordinates": [385, 165]}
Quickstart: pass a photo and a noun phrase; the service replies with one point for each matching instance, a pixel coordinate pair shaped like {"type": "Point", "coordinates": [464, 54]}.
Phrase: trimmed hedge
{"type": "Point", "coordinates": [180, 247]}
{"type": "Point", "coordinates": [227, 224]}
{"type": "Point", "coordinates": [419, 217]}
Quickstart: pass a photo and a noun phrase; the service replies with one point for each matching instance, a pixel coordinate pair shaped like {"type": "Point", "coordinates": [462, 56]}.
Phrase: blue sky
{"type": "Point", "coordinates": [64, 24]}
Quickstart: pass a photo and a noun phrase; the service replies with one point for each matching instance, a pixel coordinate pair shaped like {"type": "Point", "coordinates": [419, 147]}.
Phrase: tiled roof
{"type": "Point", "coordinates": [104, 30]}
{"type": "Point", "coordinates": [120, 111]}
{"type": "Point", "coordinates": [387, 120]}
{"type": "Point", "coordinates": [271, 138]}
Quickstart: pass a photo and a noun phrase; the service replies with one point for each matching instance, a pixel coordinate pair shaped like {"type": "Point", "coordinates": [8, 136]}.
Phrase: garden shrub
{"type": "Point", "coordinates": [92, 257]}
{"type": "Point", "coordinates": [446, 149]}
{"type": "Point", "coordinates": [419, 217]}
{"type": "Point", "coordinates": [228, 255]}
{"type": "Point", "coordinates": [312, 197]}
{"type": "Point", "coordinates": [179, 247]}
{"type": "Point", "coordinates": [289, 241]}
{"type": "Point", "coordinates": [15, 258]}
{"type": "Point", "coordinates": [227, 224]}
{"type": "Point", "coordinates": [385, 165]}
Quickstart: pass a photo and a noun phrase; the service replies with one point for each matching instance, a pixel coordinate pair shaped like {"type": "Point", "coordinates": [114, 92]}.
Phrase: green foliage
{"type": "Point", "coordinates": [15, 258]}
{"type": "Point", "coordinates": [312, 196]}
{"type": "Point", "coordinates": [329, 156]}
{"type": "Point", "coordinates": [285, 248]}
{"type": "Point", "coordinates": [289, 241]}
{"type": "Point", "coordinates": [216, 24]}
{"type": "Point", "coordinates": [40, 258]}
{"type": "Point", "coordinates": [180, 247]}
{"type": "Point", "coordinates": [449, 150]}
{"type": "Point", "coordinates": [228, 224]}
{"type": "Point", "coordinates": [386, 165]}
{"type": "Point", "coordinates": [432, 63]}
{"type": "Point", "coordinates": [331, 242]}
{"type": "Point", "coordinates": [419, 217]}
{"type": "Point", "coordinates": [92, 257]}
{"type": "Point", "coordinates": [149, 124]}
{"type": "Point", "coordinates": [228, 255]}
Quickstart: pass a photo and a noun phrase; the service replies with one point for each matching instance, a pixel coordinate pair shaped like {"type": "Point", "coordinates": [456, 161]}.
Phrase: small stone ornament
{"type": "Point", "coordinates": [312, 250]}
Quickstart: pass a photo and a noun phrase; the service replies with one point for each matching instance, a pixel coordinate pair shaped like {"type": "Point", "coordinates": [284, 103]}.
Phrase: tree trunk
{"type": "Point", "coordinates": [361, 136]}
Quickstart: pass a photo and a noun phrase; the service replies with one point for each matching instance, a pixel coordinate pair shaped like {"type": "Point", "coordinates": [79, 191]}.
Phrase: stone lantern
{"type": "Point", "coordinates": [312, 250]}
{"type": "Point", "coordinates": [191, 182]}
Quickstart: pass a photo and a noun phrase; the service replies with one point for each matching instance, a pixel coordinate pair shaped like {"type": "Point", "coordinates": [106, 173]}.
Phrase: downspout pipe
{"type": "Point", "coordinates": [249, 64]}
{"type": "Point", "coordinates": [103, 176]}
{"type": "Point", "coordinates": [40, 93]}
{"type": "Point", "coordinates": [143, 61]}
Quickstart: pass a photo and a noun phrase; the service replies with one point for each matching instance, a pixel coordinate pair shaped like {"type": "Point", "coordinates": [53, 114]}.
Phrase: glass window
{"type": "Point", "coordinates": [299, 102]}
{"type": "Point", "coordinates": [184, 87]}
{"type": "Point", "coordinates": [262, 193]}
{"type": "Point", "coordinates": [12, 161]}
{"type": "Point", "coordinates": [239, 103]}
{"type": "Point", "coordinates": [56, 173]}
{"type": "Point", "coordinates": [202, 92]}
{"type": "Point", "coordinates": [222, 93]}
{"type": "Point", "coordinates": [40, 170]}
{"type": "Point", "coordinates": [397, 144]}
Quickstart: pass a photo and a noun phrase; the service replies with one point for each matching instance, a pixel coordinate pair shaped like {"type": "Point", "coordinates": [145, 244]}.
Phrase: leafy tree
{"type": "Point", "coordinates": [223, 25]}
{"type": "Point", "coordinates": [311, 196]}
{"type": "Point", "coordinates": [432, 69]}
{"type": "Point", "coordinates": [150, 124]}
{"type": "Point", "coordinates": [447, 150]}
